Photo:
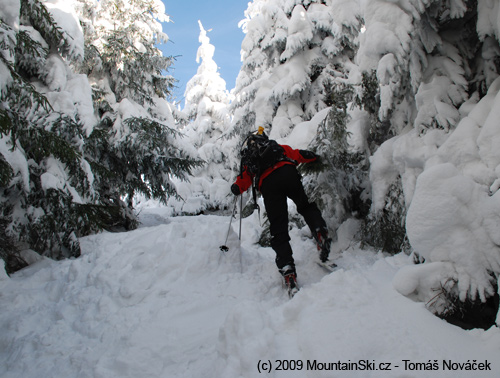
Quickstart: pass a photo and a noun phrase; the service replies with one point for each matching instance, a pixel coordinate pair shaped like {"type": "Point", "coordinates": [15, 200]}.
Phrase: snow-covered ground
{"type": "Point", "coordinates": [162, 301]}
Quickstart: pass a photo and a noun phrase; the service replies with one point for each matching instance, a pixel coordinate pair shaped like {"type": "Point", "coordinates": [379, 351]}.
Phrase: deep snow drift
{"type": "Point", "coordinates": [162, 301]}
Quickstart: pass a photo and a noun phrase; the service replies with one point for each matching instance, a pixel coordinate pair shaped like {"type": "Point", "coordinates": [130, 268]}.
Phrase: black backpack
{"type": "Point", "coordinates": [259, 153]}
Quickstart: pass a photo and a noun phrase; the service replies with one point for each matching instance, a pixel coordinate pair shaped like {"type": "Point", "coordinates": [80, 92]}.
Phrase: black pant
{"type": "Point", "coordinates": [283, 183]}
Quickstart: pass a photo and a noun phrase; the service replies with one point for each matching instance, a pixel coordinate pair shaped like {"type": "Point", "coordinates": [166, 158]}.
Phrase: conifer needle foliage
{"type": "Point", "coordinates": [71, 160]}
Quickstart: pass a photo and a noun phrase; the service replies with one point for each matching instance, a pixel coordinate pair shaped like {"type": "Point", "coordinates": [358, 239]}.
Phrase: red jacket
{"type": "Point", "coordinates": [244, 181]}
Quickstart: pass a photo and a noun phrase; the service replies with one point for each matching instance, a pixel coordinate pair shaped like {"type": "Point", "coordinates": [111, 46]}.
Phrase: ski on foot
{"type": "Point", "coordinates": [328, 265]}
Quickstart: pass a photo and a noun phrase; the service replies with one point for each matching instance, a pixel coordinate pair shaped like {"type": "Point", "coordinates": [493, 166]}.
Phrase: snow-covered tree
{"type": "Point", "coordinates": [293, 53]}
{"type": "Point", "coordinates": [135, 148]}
{"type": "Point", "coordinates": [435, 65]}
{"type": "Point", "coordinates": [84, 121]}
{"type": "Point", "coordinates": [340, 186]}
{"type": "Point", "coordinates": [418, 65]}
{"type": "Point", "coordinates": [206, 94]}
{"type": "Point", "coordinates": [207, 102]}
{"type": "Point", "coordinates": [45, 107]}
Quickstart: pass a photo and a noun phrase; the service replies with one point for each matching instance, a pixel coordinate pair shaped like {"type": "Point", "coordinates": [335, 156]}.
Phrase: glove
{"type": "Point", "coordinates": [308, 154]}
{"type": "Point", "coordinates": [314, 166]}
{"type": "Point", "coordinates": [235, 189]}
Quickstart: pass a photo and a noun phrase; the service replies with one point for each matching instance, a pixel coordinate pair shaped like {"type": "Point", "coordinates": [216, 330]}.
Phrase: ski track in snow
{"type": "Point", "coordinates": [162, 301]}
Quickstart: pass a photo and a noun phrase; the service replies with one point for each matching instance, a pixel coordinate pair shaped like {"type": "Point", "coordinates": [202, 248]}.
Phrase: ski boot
{"type": "Point", "coordinates": [290, 278]}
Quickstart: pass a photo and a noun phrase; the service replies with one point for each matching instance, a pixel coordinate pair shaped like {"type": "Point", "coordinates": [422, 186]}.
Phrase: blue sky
{"type": "Point", "coordinates": [222, 16]}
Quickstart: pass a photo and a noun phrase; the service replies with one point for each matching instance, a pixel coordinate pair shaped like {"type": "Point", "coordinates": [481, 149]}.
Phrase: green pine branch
{"type": "Point", "coordinates": [41, 19]}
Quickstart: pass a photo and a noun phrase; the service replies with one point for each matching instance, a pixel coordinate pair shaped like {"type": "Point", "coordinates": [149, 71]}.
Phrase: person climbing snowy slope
{"type": "Point", "coordinates": [271, 168]}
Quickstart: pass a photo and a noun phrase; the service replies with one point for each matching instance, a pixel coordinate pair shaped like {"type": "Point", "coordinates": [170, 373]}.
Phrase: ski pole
{"type": "Point", "coordinates": [241, 217]}
{"type": "Point", "coordinates": [224, 247]}
{"type": "Point", "coordinates": [239, 235]}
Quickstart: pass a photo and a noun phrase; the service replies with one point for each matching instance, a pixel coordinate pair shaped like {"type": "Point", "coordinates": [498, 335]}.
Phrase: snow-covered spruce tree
{"type": "Point", "coordinates": [292, 53]}
{"type": "Point", "coordinates": [45, 182]}
{"type": "Point", "coordinates": [436, 72]}
{"type": "Point", "coordinates": [207, 102]}
{"type": "Point", "coordinates": [206, 96]}
{"type": "Point", "coordinates": [339, 183]}
{"type": "Point", "coordinates": [382, 228]}
{"type": "Point", "coordinates": [422, 66]}
{"type": "Point", "coordinates": [341, 188]}
{"type": "Point", "coordinates": [264, 31]}
{"type": "Point", "coordinates": [135, 148]}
